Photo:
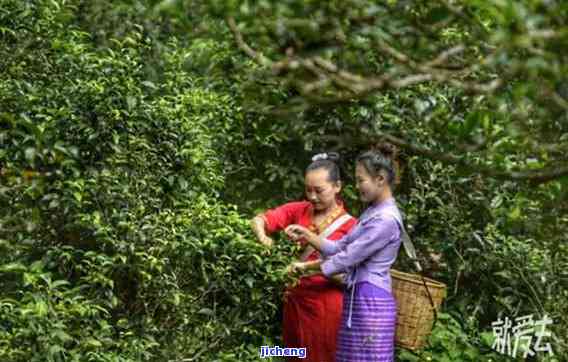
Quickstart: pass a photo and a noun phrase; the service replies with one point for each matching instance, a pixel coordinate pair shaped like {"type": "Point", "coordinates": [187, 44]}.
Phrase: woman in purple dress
{"type": "Point", "coordinates": [365, 254]}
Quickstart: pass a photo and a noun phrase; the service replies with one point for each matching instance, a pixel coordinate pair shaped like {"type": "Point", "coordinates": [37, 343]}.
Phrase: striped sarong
{"type": "Point", "coordinates": [373, 324]}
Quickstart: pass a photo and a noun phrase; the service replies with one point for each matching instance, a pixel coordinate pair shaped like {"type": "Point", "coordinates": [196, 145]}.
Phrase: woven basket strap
{"type": "Point", "coordinates": [411, 253]}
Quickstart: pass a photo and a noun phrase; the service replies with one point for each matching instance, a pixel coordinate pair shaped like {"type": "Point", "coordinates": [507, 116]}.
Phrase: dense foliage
{"type": "Point", "coordinates": [138, 137]}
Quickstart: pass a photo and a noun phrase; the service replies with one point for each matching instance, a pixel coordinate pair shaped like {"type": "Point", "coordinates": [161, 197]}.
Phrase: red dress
{"type": "Point", "coordinates": [312, 309]}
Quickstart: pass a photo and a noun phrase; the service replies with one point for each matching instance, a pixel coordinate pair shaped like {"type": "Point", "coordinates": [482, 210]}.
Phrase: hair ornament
{"type": "Point", "coordinates": [320, 156]}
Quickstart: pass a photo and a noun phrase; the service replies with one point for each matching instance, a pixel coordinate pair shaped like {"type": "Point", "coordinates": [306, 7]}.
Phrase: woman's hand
{"type": "Point", "coordinates": [265, 240]}
{"type": "Point", "coordinates": [306, 268]}
{"type": "Point", "coordinates": [296, 232]}
{"type": "Point", "coordinates": [296, 268]}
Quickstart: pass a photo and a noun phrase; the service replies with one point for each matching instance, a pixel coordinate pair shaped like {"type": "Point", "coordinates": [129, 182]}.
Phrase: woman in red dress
{"type": "Point", "coordinates": [312, 309]}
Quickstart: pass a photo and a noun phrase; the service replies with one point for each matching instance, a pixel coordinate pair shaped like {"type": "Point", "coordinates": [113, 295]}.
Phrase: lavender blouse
{"type": "Point", "coordinates": [367, 252]}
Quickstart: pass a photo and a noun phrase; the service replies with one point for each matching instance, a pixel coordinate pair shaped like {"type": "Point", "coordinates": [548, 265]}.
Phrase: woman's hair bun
{"type": "Point", "coordinates": [388, 150]}
{"type": "Point", "coordinates": [382, 156]}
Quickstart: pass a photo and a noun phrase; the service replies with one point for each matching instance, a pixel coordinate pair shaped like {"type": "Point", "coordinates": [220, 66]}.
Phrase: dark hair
{"type": "Point", "coordinates": [382, 158]}
{"type": "Point", "coordinates": [327, 161]}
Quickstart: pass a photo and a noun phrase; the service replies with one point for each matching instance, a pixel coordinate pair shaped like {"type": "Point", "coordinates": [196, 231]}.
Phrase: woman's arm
{"type": "Point", "coordinates": [368, 240]}
{"type": "Point", "coordinates": [324, 246]}
{"type": "Point", "coordinates": [296, 232]}
{"type": "Point", "coordinates": [276, 219]}
{"type": "Point", "coordinates": [308, 268]}
{"type": "Point", "coordinates": [259, 228]}
{"type": "Point", "coordinates": [305, 267]}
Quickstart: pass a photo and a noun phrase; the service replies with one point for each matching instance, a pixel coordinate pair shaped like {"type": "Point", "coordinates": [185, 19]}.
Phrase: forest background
{"type": "Point", "coordinates": [137, 138]}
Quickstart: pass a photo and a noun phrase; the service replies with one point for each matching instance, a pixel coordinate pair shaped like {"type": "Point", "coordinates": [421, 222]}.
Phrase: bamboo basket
{"type": "Point", "coordinates": [415, 315]}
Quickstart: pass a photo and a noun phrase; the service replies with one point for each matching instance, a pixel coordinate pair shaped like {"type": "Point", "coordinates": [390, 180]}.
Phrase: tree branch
{"type": "Point", "coordinates": [358, 85]}
{"type": "Point", "coordinates": [541, 175]}
{"type": "Point", "coordinates": [259, 58]}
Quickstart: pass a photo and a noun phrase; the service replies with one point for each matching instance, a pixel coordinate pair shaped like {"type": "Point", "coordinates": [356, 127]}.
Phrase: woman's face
{"type": "Point", "coordinates": [319, 190]}
{"type": "Point", "coordinates": [369, 187]}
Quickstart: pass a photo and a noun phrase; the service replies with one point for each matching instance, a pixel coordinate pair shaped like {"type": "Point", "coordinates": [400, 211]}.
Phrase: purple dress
{"type": "Point", "coordinates": [366, 254]}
